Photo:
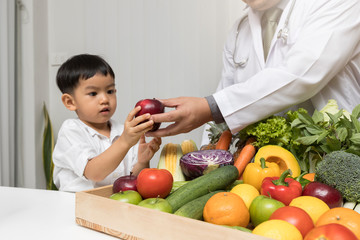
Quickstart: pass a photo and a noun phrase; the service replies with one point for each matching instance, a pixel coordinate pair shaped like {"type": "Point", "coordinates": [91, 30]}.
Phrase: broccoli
{"type": "Point", "coordinates": [341, 170]}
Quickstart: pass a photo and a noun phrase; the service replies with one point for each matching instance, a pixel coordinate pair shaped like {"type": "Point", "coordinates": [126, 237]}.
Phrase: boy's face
{"type": "Point", "coordinates": [94, 100]}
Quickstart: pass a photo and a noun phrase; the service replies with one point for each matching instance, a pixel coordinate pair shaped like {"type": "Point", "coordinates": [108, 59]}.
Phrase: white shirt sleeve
{"type": "Point", "coordinates": [71, 153]}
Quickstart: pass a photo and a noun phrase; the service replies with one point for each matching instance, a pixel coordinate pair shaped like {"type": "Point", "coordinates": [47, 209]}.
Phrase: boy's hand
{"type": "Point", "coordinates": [147, 150]}
{"type": "Point", "coordinates": [134, 128]}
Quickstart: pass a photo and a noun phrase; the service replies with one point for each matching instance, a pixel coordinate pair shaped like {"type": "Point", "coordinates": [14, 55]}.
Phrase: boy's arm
{"type": "Point", "coordinates": [105, 163]}
{"type": "Point", "coordinates": [102, 165]}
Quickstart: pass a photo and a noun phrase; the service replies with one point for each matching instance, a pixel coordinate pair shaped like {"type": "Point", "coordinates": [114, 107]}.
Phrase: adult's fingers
{"type": "Point", "coordinates": [170, 102]}
{"type": "Point", "coordinates": [170, 130]}
{"type": "Point", "coordinates": [171, 116]}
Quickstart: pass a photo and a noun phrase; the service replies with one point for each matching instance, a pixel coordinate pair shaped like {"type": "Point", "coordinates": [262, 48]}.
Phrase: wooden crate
{"type": "Point", "coordinates": [94, 209]}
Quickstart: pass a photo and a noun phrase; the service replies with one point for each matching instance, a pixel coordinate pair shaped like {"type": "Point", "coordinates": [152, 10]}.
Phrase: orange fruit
{"type": "Point", "coordinates": [226, 208]}
{"type": "Point", "coordinates": [314, 206]}
{"type": "Point", "coordinates": [309, 176]}
{"type": "Point", "coordinates": [344, 216]}
{"type": "Point", "coordinates": [247, 192]}
{"type": "Point", "coordinates": [278, 229]}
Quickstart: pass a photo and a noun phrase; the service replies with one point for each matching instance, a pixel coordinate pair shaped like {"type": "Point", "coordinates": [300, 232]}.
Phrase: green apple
{"type": "Point", "coordinates": [157, 204]}
{"type": "Point", "coordinates": [262, 207]}
{"type": "Point", "coordinates": [128, 196]}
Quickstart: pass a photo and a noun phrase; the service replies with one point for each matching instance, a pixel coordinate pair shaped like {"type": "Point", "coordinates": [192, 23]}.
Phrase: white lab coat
{"type": "Point", "coordinates": [319, 61]}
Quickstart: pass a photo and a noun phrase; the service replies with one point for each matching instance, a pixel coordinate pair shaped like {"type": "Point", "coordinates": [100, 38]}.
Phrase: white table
{"type": "Point", "coordinates": [41, 214]}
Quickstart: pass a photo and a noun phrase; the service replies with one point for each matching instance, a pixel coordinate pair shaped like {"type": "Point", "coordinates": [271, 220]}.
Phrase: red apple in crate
{"type": "Point", "coordinates": [151, 106]}
{"type": "Point", "coordinates": [331, 196]}
{"type": "Point", "coordinates": [125, 183]}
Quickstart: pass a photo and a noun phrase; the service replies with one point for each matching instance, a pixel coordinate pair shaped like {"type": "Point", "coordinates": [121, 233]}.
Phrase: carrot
{"type": "Point", "coordinates": [245, 156]}
{"type": "Point", "coordinates": [250, 140]}
{"type": "Point", "coordinates": [224, 140]}
{"type": "Point", "coordinates": [209, 146]}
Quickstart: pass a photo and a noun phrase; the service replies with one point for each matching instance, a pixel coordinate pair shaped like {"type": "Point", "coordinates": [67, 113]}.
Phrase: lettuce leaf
{"type": "Point", "coordinates": [275, 130]}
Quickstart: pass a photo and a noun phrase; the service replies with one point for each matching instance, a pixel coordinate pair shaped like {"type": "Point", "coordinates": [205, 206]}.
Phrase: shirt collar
{"type": "Point", "coordinates": [113, 131]}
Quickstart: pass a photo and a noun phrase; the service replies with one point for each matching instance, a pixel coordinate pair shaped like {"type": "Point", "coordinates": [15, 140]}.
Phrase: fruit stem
{"type": "Point", "coordinates": [263, 163]}
{"type": "Point", "coordinates": [157, 199]}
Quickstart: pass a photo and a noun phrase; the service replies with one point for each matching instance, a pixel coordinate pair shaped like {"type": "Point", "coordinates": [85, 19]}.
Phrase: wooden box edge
{"type": "Point", "coordinates": [95, 210]}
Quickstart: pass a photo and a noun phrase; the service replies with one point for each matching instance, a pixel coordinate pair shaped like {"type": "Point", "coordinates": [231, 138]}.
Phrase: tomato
{"type": "Point", "coordinates": [331, 231]}
{"type": "Point", "coordinates": [296, 216]}
{"type": "Point", "coordinates": [153, 182]}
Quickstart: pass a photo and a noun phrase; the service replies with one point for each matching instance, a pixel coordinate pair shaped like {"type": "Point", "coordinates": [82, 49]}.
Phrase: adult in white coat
{"type": "Point", "coordinates": [318, 60]}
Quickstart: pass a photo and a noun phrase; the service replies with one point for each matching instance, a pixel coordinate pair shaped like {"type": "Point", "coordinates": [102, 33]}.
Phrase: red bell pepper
{"type": "Point", "coordinates": [283, 188]}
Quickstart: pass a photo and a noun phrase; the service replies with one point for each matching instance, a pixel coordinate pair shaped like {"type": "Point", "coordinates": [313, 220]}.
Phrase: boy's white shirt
{"type": "Point", "coordinates": [78, 143]}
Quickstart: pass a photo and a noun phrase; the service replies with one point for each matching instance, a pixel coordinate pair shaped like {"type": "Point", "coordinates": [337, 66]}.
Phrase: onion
{"type": "Point", "coordinates": [198, 163]}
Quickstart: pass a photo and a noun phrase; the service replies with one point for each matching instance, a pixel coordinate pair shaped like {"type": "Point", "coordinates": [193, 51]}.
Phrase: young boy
{"type": "Point", "coordinates": [94, 150]}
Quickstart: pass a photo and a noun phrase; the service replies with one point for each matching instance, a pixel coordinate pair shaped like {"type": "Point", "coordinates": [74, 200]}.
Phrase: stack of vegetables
{"type": "Point", "coordinates": [278, 157]}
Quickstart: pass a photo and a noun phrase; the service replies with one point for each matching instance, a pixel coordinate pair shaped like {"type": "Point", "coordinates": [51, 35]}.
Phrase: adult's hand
{"type": "Point", "coordinates": [189, 113]}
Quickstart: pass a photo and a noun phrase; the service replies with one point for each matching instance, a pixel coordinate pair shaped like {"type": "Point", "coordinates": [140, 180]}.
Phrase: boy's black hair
{"type": "Point", "coordinates": [83, 66]}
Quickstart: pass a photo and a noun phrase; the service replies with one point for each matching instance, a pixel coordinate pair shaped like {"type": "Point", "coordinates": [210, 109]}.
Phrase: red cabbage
{"type": "Point", "coordinates": [198, 163]}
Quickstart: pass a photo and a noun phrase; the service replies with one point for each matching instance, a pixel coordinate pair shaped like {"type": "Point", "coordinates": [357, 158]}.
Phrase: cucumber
{"type": "Point", "coordinates": [176, 185]}
{"type": "Point", "coordinates": [194, 209]}
{"type": "Point", "coordinates": [215, 180]}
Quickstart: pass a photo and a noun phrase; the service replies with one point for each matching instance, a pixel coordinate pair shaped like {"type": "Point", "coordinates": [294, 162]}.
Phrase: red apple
{"type": "Point", "coordinates": [331, 196]}
{"type": "Point", "coordinates": [151, 106]}
{"type": "Point", "coordinates": [124, 183]}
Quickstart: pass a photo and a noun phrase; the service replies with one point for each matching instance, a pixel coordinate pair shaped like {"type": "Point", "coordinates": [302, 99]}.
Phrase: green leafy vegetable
{"type": "Point", "coordinates": [309, 137]}
{"type": "Point", "coordinates": [317, 135]}
{"type": "Point", "coordinates": [275, 130]}
{"type": "Point", "coordinates": [332, 108]}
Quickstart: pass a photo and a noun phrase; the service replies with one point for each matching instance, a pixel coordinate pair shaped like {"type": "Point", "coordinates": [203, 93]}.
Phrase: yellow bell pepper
{"type": "Point", "coordinates": [255, 173]}
{"type": "Point", "coordinates": [279, 155]}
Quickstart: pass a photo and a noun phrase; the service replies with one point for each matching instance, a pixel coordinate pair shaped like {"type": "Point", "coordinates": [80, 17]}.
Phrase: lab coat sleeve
{"type": "Point", "coordinates": [327, 40]}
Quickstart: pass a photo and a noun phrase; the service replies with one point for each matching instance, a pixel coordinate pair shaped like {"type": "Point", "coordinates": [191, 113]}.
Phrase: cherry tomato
{"type": "Point", "coordinates": [296, 216]}
{"type": "Point", "coordinates": [153, 182]}
{"type": "Point", "coordinates": [331, 231]}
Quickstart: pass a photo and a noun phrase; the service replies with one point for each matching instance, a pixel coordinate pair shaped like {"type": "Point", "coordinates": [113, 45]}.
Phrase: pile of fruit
{"type": "Point", "coordinates": [301, 181]}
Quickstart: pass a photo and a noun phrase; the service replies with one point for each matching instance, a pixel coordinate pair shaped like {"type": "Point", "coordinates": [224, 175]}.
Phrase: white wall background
{"type": "Point", "coordinates": [157, 48]}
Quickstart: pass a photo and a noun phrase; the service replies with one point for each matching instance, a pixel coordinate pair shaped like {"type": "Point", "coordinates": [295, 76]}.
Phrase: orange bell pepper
{"type": "Point", "coordinates": [255, 173]}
